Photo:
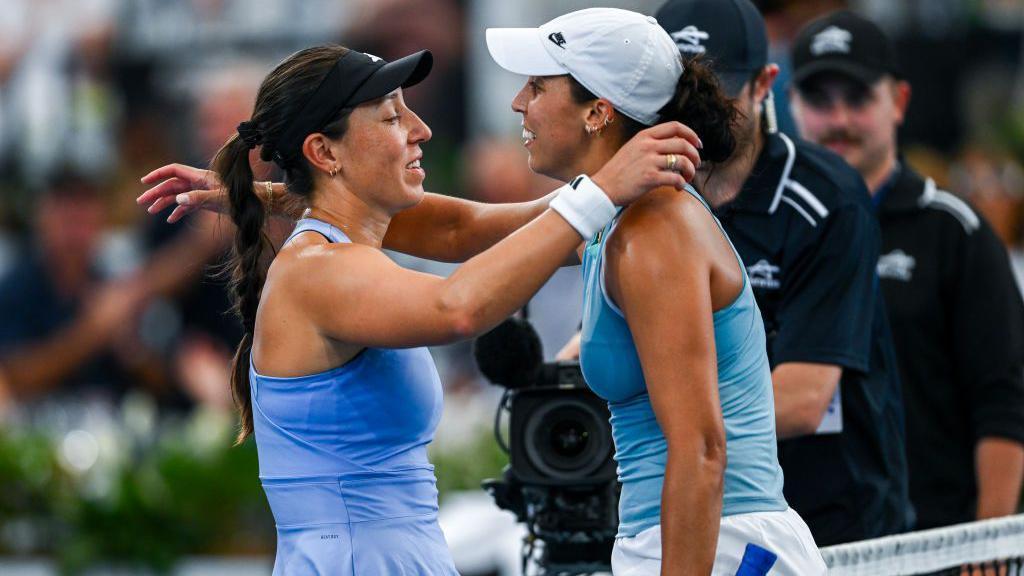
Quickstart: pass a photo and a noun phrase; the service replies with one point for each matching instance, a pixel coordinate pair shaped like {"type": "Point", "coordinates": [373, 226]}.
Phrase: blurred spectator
{"type": "Point", "coordinates": [61, 320]}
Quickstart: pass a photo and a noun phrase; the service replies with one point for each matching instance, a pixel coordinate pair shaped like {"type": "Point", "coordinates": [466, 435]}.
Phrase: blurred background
{"type": "Point", "coordinates": [115, 415]}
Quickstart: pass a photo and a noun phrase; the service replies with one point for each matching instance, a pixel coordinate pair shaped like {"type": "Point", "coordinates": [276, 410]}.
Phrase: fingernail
{"type": "Point", "coordinates": [182, 199]}
{"type": "Point", "coordinates": [700, 145]}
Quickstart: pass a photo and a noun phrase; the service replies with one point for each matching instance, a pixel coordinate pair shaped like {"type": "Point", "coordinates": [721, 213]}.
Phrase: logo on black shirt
{"type": "Point", "coordinates": [763, 275]}
{"type": "Point", "coordinates": [896, 265]}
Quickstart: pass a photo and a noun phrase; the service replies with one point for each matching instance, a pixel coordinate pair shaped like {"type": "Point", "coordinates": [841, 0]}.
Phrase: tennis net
{"type": "Point", "coordinates": [985, 548]}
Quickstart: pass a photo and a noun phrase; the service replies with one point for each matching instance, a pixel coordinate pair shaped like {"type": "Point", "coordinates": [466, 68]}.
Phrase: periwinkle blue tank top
{"type": "Point", "coordinates": [611, 366]}
{"type": "Point", "coordinates": [363, 426]}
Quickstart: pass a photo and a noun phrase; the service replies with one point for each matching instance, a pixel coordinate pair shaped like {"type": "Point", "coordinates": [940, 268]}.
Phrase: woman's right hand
{"type": "Point", "coordinates": [643, 163]}
{"type": "Point", "coordinates": [190, 188]}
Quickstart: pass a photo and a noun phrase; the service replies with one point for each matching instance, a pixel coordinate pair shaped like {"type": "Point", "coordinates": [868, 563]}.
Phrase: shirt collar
{"type": "Point", "coordinates": [762, 190]}
{"type": "Point", "coordinates": [902, 191]}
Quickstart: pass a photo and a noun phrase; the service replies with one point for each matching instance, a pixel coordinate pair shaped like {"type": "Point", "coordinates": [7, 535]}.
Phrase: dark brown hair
{"type": "Point", "coordinates": [280, 98]}
{"type": "Point", "coordinates": [699, 102]}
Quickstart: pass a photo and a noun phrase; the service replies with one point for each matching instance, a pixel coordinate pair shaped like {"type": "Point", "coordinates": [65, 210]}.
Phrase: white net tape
{"type": "Point", "coordinates": [929, 551]}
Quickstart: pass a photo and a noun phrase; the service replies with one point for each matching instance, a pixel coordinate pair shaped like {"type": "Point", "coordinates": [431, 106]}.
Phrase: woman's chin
{"type": "Point", "coordinates": [413, 196]}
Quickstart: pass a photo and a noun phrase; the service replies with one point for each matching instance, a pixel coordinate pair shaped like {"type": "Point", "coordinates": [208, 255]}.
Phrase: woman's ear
{"type": "Point", "coordinates": [598, 115]}
{"type": "Point", "coordinates": [320, 153]}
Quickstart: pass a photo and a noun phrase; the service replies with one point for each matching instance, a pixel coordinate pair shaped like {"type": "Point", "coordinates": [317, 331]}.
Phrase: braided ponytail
{"type": "Point", "coordinates": [247, 275]}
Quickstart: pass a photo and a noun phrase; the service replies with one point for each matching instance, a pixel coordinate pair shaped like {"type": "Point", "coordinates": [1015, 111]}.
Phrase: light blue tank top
{"type": "Point", "coordinates": [611, 366]}
{"type": "Point", "coordinates": [359, 432]}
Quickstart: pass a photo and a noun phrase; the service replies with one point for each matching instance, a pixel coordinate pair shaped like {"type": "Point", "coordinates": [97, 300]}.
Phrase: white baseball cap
{"type": "Point", "coordinates": [620, 55]}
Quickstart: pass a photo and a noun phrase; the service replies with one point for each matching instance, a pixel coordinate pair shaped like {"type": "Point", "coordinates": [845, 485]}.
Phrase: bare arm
{"type": "Point", "coordinates": [674, 338]}
{"type": "Point", "coordinates": [439, 228]}
{"type": "Point", "coordinates": [802, 394]}
{"type": "Point", "coordinates": [453, 230]}
{"type": "Point", "coordinates": [359, 296]}
{"type": "Point", "coordinates": [1000, 469]}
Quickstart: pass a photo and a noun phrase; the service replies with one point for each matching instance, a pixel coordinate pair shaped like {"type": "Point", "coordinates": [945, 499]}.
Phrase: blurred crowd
{"type": "Point", "coordinates": [99, 298]}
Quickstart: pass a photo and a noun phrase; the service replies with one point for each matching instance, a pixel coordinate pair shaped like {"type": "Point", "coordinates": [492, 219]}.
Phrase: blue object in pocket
{"type": "Point", "coordinates": [756, 561]}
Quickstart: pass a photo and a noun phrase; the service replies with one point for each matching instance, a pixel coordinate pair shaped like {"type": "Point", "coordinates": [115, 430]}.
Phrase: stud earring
{"type": "Point", "coordinates": [333, 172]}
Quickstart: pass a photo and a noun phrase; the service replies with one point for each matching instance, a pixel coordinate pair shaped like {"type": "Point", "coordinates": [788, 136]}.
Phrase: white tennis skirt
{"type": "Point", "coordinates": [782, 533]}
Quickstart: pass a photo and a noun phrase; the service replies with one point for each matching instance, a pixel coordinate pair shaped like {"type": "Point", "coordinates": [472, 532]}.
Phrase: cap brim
{"type": "Point", "coordinates": [520, 51]}
{"type": "Point", "coordinates": [853, 70]}
{"type": "Point", "coordinates": [401, 73]}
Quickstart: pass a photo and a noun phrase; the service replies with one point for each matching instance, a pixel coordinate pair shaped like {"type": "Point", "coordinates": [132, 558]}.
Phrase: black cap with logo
{"type": "Point", "coordinates": [730, 33]}
{"type": "Point", "coordinates": [846, 43]}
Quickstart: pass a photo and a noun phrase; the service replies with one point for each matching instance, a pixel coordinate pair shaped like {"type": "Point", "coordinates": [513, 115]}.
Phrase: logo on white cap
{"type": "Point", "coordinates": [689, 40]}
{"type": "Point", "coordinates": [831, 39]}
{"type": "Point", "coordinates": [558, 39]}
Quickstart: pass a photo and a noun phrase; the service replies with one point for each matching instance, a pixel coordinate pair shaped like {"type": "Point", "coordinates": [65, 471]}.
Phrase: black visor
{"type": "Point", "coordinates": [354, 79]}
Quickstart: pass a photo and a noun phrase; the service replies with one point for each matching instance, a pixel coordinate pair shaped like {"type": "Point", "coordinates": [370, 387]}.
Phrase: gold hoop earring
{"type": "Point", "coordinates": [608, 120]}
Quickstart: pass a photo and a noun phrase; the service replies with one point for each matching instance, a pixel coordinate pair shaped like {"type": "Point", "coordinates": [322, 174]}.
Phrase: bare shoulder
{"type": "Point", "coordinates": [307, 268]}
{"type": "Point", "coordinates": [665, 220]}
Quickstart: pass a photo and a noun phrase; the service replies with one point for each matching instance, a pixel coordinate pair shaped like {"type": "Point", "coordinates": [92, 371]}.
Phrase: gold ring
{"type": "Point", "coordinates": [670, 161]}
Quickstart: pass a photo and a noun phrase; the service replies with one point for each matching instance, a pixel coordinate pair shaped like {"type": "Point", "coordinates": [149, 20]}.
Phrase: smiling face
{"type": "Point", "coordinates": [379, 155]}
{"type": "Point", "coordinates": [553, 126]}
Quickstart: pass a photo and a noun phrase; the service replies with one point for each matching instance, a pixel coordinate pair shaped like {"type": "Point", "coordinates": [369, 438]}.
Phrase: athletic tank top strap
{"type": "Point", "coordinates": [743, 269]}
{"type": "Point", "coordinates": [329, 231]}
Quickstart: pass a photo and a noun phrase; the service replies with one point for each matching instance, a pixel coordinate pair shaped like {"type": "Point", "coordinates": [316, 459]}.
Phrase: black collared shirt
{"type": "Point", "coordinates": [804, 227]}
{"type": "Point", "coordinates": [958, 325]}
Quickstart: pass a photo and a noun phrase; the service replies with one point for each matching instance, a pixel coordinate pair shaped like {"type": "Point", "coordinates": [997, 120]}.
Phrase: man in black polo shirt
{"type": "Point", "coordinates": [802, 223]}
{"type": "Point", "coordinates": [956, 315]}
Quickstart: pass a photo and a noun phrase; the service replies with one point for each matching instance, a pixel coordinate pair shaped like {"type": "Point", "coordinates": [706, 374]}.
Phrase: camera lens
{"type": "Point", "coordinates": [567, 439]}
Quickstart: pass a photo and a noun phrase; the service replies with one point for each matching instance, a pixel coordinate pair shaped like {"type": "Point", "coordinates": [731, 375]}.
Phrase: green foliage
{"type": "Point", "coordinates": [465, 466]}
{"type": "Point", "coordinates": [146, 509]}
{"type": "Point", "coordinates": [159, 492]}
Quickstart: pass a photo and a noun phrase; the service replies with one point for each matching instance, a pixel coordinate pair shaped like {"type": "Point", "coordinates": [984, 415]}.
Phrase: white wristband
{"type": "Point", "coordinates": [584, 206]}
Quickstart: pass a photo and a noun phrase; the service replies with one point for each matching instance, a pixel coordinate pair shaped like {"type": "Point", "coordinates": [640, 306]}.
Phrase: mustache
{"type": "Point", "coordinates": [840, 136]}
